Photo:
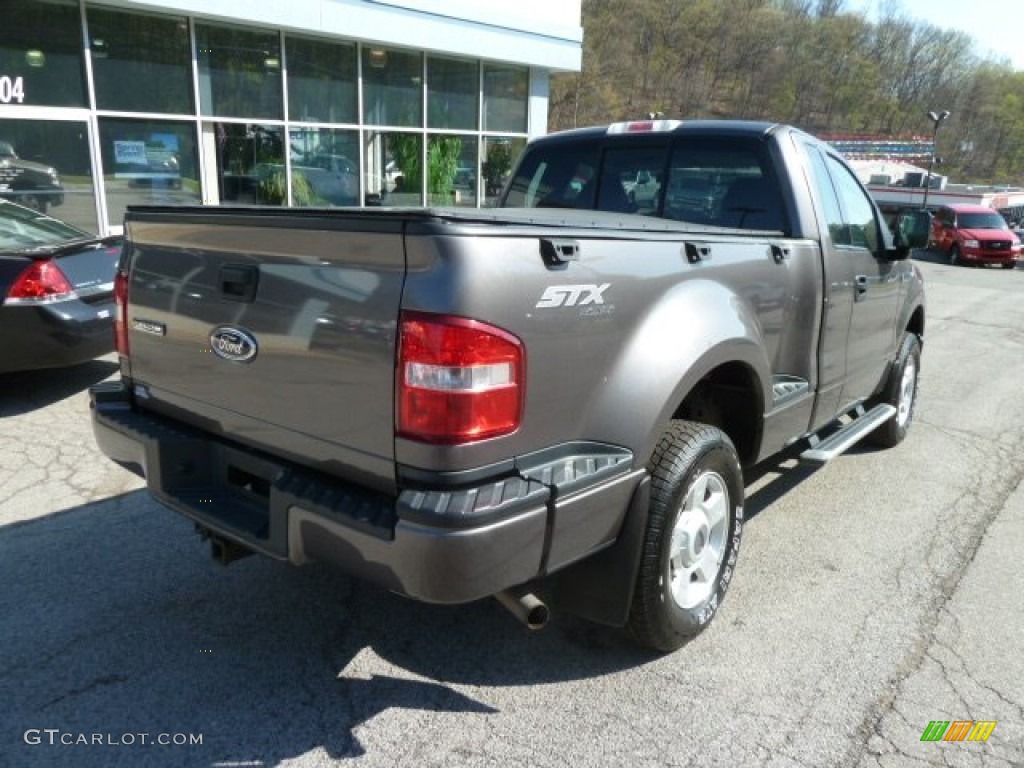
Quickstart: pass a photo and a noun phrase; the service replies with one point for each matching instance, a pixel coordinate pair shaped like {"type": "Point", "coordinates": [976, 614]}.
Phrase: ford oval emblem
{"type": "Point", "coordinates": [233, 344]}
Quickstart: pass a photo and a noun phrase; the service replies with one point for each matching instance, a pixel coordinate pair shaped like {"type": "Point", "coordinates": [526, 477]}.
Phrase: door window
{"type": "Point", "coordinates": [848, 210]}
{"type": "Point", "coordinates": [857, 207]}
{"type": "Point", "coordinates": [837, 230]}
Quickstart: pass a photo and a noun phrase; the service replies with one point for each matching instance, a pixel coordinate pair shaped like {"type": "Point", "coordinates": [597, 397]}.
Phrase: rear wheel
{"type": "Point", "coordinates": [900, 392]}
{"type": "Point", "coordinates": [1009, 265]}
{"type": "Point", "coordinates": [694, 526]}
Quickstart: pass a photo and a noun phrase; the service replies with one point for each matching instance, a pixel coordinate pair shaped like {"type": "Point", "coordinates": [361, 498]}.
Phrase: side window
{"type": "Point", "coordinates": [858, 211]}
{"type": "Point", "coordinates": [551, 176]}
{"type": "Point", "coordinates": [837, 229]}
{"type": "Point", "coordinates": [849, 213]}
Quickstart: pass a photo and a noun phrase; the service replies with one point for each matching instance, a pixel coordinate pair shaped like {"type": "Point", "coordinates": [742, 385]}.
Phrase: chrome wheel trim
{"type": "Point", "coordinates": [697, 545]}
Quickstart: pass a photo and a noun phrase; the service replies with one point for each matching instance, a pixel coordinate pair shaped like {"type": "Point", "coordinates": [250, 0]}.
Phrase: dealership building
{"type": "Point", "coordinates": [271, 102]}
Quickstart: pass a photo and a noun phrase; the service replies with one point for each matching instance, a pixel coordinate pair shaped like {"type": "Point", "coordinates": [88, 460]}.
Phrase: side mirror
{"type": "Point", "coordinates": [914, 228]}
{"type": "Point", "coordinates": [912, 231]}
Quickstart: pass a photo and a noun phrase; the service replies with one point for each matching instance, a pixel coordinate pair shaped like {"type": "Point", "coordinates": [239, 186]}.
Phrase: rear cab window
{"type": "Point", "coordinates": [724, 184]}
{"type": "Point", "coordinates": [715, 182]}
{"type": "Point", "coordinates": [559, 178]}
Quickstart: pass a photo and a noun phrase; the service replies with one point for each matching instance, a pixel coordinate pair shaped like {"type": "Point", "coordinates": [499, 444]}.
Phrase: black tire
{"type": "Point", "coordinates": [35, 202]}
{"type": "Point", "coordinates": [954, 255]}
{"type": "Point", "coordinates": [674, 599]}
{"type": "Point", "coordinates": [901, 393]}
{"type": "Point", "coordinates": [1010, 265]}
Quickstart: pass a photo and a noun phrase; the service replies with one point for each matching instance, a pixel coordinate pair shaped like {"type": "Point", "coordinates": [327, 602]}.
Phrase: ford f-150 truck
{"type": "Point", "coordinates": [974, 234]}
{"type": "Point", "coordinates": [553, 402]}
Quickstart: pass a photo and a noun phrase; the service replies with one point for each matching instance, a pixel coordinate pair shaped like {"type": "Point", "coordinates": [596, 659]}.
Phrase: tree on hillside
{"type": "Point", "coordinates": [807, 62]}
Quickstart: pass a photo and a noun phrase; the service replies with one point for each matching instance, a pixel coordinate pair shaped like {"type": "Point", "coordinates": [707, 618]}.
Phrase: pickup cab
{"type": "Point", "coordinates": [553, 402]}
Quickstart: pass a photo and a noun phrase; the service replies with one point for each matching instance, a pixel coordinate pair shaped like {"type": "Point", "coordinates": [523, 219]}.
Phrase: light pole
{"type": "Point", "coordinates": [936, 118]}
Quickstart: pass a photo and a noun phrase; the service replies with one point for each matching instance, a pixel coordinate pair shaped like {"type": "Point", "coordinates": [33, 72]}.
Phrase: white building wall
{"type": "Point", "coordinates": [538, 33]}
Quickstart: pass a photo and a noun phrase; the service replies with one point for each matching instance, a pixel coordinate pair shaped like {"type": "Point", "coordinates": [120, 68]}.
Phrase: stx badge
{"type": "Point", "coordinates": [572, 295]}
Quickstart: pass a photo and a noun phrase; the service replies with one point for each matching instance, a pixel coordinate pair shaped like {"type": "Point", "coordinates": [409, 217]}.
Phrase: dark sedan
{"type": "Point", "coordinates": [56, 291]}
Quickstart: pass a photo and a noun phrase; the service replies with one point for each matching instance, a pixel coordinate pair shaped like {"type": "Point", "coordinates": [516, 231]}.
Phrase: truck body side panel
{"type": "Point", "coordinates": [615, 336]}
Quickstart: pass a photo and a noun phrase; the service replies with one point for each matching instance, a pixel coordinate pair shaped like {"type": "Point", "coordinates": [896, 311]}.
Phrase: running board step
{"type": "Point", "coordinates": [863, 424]}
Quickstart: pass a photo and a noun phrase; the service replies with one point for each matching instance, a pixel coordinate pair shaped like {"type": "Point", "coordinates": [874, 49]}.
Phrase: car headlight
{"type": "Point", "coordinates": [971, 243]}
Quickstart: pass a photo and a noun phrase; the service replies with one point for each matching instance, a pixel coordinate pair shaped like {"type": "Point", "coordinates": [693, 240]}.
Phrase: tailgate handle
{"type": "Point", "coordinates": [559, 251]}
{"type": "Point", "coordinates": [695, 253]}
{"type": "Point", "coordinates": [238, 282]}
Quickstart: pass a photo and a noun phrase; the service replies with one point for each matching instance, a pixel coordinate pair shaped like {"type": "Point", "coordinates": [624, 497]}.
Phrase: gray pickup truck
{"type": "Point", "coordinates": [552, 402]}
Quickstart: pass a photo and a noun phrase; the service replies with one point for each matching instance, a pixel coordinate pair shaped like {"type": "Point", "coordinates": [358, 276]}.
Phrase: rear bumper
{"type": "Point", "coordinates": [54, 335]}
{"type": "Point", "coordinates": [437, 544]}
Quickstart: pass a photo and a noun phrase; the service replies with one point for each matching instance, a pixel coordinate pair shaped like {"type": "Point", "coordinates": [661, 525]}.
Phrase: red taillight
{"type": "Point", "coordinates": [121, 313]}
{"type": "Point", "coordinates": [458, 379]}
{"type": "Point", "coordinates": [40, 282]}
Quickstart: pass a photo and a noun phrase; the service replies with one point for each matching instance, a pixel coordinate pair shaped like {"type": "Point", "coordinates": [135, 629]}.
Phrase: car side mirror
{"type": "Point", "coordinates": [914, 228]}
{"type": "Point", "coordinates": [912, 231]}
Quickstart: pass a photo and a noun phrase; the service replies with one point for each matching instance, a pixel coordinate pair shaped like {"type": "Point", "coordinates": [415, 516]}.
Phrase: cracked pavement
{"type": "Point", "coordinates": [871, 597]}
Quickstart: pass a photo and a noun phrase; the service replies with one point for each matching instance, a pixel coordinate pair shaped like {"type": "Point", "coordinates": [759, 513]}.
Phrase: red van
{"type": "Point", "coordinates": [974, 234]}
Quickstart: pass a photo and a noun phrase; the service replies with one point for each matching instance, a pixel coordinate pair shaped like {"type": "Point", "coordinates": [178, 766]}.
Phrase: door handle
{"type": "Point", "coordinates": [860, 287]}
{"type": "Point", "coordinates": [779, 254]}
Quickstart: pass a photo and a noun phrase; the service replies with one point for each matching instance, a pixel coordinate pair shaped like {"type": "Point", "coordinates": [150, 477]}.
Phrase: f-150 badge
{"type": "Point", "coordinates": [232, 344]}
{"type": "Point", "coordinates": [572, 295]}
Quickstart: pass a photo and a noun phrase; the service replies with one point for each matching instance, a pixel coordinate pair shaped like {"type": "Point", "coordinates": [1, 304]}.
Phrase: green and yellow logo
{"type": "Point", "coordinates": [958, 730]}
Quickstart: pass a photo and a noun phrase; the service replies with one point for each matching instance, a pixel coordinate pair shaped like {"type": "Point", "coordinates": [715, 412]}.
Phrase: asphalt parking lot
{"type": "Point", "coordinates": [872, 597]}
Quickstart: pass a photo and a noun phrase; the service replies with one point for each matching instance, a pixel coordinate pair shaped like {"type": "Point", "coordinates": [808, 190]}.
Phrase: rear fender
{"type": "Point", "coordinates": [697, 326]}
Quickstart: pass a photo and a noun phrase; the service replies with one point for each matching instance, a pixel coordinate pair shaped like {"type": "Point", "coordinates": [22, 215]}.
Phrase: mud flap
{"type": "Point", "coordinates": [600, 588]}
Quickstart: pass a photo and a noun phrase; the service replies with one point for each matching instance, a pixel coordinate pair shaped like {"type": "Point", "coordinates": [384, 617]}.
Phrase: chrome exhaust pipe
{"type": "Point", "coordinates": [526, 607]}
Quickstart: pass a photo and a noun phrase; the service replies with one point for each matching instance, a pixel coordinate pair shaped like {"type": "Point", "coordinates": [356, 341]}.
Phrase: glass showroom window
{"type": "Point", "coordinates": [322, 81]}
{"type": "Point", "coordinates": [500, 154]}
{"type": "Point", "coordinates": [239, 72]}
{"type": "Point", "coordinates": [325, 167]}
{"type": "Point", "coordinates": [395, 160]}
{"type": "Point", "coordinates": [148, 162]}
{"type": "Point", "coordinates": [140, 63]}
{"type": "Point", "coordinates": [250, 163]}
{"type": "Point", "coordinates": [451, 170]}
{"type": "Point", "coordinates": [506, 91]}
{"type": "Point", "coordinates": [392, 88]}
{"type": "Point", "coordinates": [44, 164]}
{"type": "Point", "coordinates": [453, 89]}
{"type": "Point", "coordinates": [41, 54]}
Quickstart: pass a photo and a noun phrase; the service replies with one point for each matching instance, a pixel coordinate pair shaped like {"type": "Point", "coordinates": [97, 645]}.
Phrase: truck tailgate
{"type": "Point", "coordinates": [274, 331]}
